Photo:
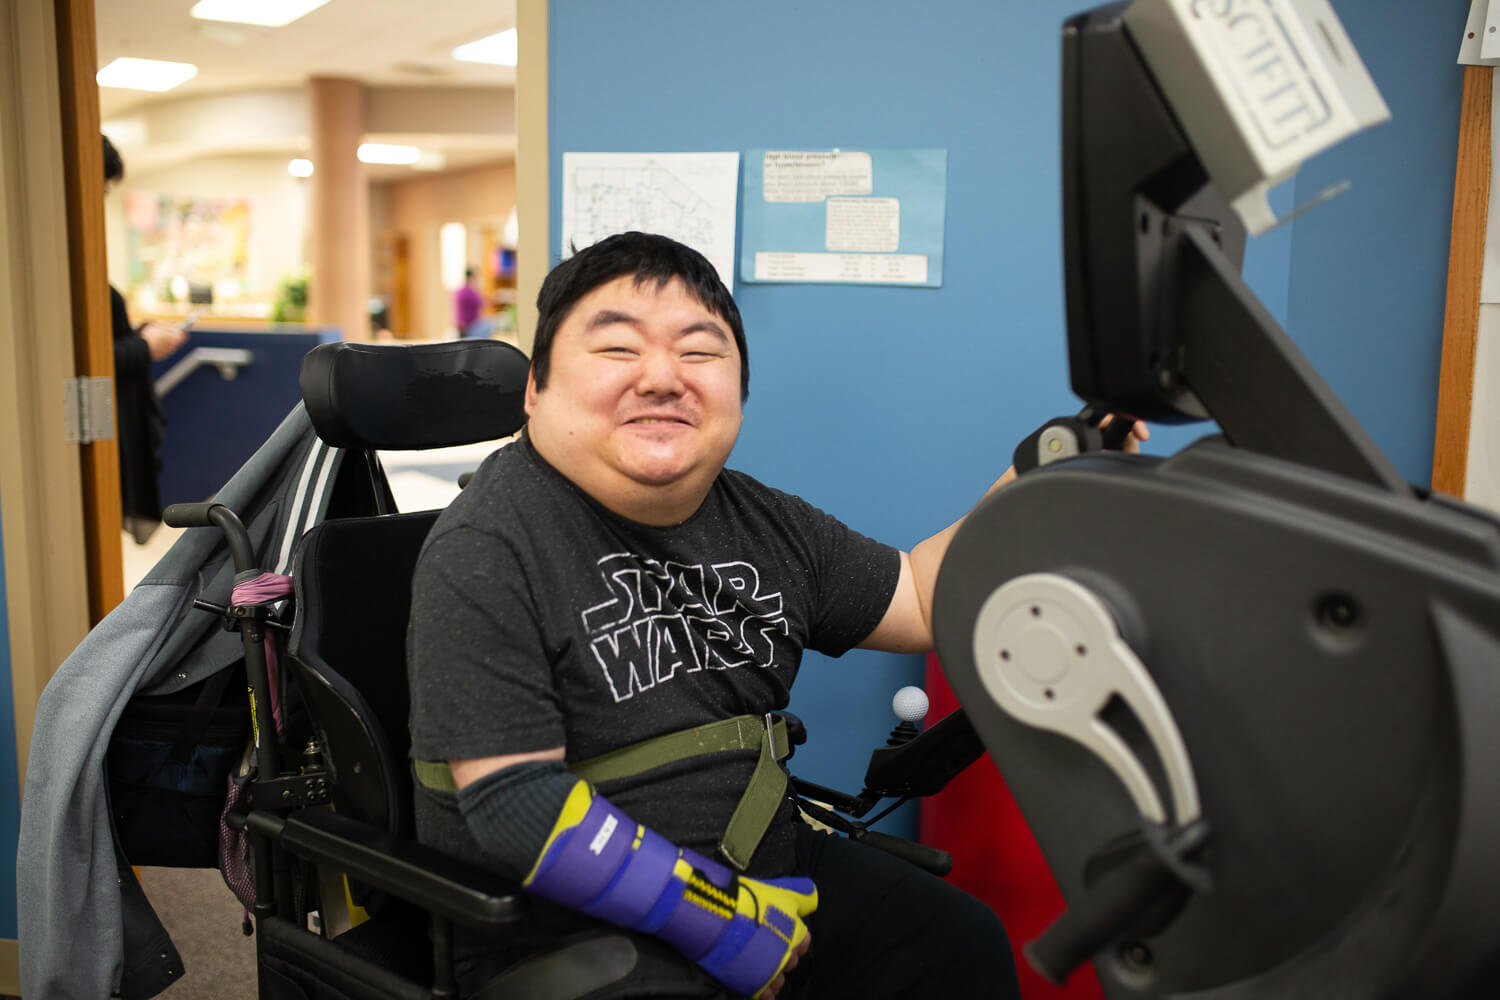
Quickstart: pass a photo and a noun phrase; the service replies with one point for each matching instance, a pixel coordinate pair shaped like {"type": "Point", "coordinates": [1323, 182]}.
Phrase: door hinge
{"type": "Point", "coordinates": [89, 408]}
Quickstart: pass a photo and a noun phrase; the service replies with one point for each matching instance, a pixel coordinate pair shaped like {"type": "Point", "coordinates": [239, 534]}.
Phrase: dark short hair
{"type": "Point", "coordinates": [114, 167]}
{"type": "Point", "coordinates": [649, 259]}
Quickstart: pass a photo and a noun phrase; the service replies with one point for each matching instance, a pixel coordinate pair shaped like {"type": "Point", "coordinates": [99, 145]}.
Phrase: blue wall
{"type": "Point", "coordinates": [894, 408]}
{"type": "Point", "coordinates": [1369, 270]}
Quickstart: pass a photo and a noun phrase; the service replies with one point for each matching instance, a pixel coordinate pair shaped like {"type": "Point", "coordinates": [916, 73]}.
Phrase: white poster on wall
{"type": "Point", "coordinates": [690, 197]}
{"type": "Point", "coordinates": [839, 216]}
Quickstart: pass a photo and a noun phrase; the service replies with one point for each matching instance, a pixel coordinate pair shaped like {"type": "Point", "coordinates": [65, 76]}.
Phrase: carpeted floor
{"type": "Point", "coordinates": [203, 918]}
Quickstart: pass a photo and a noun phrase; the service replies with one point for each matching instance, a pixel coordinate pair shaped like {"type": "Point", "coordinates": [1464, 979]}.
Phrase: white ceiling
{"type": "Point", "coordinates": [380, 42]}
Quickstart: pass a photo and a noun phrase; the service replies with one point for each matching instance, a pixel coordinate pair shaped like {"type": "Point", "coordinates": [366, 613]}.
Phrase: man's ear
{"type": "Point", "coordinates": [530, 391]}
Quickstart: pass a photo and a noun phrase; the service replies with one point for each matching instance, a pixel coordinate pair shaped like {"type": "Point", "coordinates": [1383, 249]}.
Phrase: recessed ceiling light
{"type": "Point", "coordinates": [145, 74]}
{"type": "Point", "coordinates": [266, 13]}
{"type": "Point", "coordinates": [498, 50]}
{"type": "Point", "coordinates": [300, 167]}
{"type": "Point", "coordinates": [379, 152]}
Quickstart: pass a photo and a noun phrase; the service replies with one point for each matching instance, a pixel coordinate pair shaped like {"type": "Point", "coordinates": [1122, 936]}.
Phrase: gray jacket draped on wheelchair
{"type": "Point", "coordinates": [86, 928]}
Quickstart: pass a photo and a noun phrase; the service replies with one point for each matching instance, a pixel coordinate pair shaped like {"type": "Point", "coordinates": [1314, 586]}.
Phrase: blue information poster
{"type": "Point", "coordinates": [844, 216]}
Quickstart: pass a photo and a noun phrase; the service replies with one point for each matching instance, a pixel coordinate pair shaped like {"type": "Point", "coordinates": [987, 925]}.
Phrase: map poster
{"type": "Point", "coordinates": [690, 197]}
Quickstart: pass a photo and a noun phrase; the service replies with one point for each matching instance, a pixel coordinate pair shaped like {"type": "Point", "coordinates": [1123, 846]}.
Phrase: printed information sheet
{"type": "Point", "coordinates": [690, 197]}
{"type": "Point", "coordinates": [845, 216]}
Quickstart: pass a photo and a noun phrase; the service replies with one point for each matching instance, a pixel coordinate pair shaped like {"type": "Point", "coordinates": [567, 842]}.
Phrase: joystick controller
{"type": "Point", "coordinates": [910, 706]}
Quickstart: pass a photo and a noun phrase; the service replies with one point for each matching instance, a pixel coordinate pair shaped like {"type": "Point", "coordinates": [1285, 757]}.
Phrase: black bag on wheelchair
{"type": "Point", "coordinates": [169, 764]}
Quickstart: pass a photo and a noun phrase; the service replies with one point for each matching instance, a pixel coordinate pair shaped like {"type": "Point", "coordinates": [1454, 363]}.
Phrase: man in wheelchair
{"type": "Point", "coordinates": [602, 623]}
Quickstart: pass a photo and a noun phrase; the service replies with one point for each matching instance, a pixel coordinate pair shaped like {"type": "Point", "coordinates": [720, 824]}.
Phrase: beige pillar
{"type": "Point", "coordinates": [338, 292]}
{"type": "Point", "coordinates": [533, 256]}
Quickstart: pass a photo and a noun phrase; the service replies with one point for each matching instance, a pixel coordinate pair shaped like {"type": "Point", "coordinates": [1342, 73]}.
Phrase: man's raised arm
{"type": "Point", "coordinates": [907, 624]}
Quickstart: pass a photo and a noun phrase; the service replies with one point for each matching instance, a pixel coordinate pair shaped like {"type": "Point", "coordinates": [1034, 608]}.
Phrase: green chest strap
{"type": "Point", "coordinates": [757, 806]}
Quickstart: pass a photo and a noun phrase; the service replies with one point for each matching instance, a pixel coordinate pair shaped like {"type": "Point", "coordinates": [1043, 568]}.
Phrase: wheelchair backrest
{"type": "Point", "coordinates": [348, 651]}
{"type": "Point", "coordinates": [353, 574]}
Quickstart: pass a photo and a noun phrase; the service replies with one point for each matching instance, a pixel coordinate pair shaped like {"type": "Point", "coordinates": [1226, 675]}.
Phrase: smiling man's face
{"type": "Point", "coordinates": [642, 404]}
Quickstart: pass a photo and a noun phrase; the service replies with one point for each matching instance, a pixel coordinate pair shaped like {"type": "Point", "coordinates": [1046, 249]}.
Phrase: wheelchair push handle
{"type": "Point", "coordinates": [251, 627]}
{"type": "Point", "coordinates": [215, 515]}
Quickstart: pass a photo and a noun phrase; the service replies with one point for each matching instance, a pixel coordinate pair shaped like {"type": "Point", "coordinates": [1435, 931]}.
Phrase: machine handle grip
{"type": "Point", "coordinates": [930, 859]}
{"type": "Point", "coordinates": [1115, 435]}
{"type": "Point", "coordinates": [1100, 915]}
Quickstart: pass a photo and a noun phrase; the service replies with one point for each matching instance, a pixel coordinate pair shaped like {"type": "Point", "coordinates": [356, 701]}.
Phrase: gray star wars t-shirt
{"type": "Point", "coordinates": [540, 619]}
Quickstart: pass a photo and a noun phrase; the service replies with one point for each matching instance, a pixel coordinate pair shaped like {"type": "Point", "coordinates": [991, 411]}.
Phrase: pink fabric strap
{"type": "Point", "coordinates": [266, 589]}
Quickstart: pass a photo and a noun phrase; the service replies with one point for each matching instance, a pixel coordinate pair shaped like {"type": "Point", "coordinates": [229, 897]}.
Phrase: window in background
{"type": "Point", "coordinates": [453, 254]}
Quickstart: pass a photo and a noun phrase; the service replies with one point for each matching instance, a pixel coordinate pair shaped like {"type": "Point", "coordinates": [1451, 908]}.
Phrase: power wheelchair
{"type": "Point", "coordinates": [331, 790]}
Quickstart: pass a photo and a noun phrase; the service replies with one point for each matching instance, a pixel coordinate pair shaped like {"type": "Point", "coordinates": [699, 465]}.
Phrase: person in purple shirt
{"type": "Point", "coordinates": [467, 305]}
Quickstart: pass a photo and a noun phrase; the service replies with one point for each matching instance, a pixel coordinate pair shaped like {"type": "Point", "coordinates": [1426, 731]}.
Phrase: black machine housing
{"type": "Point", "coordinates": [1326, 637]}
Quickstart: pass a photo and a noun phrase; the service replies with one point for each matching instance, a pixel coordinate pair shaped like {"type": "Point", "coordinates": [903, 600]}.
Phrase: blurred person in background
{"type": "Point", "coordinates": [468, 304]}
{"type": "Point", "coordinates": [139, 421]}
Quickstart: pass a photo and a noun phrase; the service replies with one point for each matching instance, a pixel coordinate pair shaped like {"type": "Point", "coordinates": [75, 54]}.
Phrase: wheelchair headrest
{"type": "Point", "coordinates": [395, 397]}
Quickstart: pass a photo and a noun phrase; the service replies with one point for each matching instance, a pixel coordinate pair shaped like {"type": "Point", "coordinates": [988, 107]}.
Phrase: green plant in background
{"type": "Point", "coordinates": [505, 319]}
{"type": "Point", "coordinates": [290, 304]}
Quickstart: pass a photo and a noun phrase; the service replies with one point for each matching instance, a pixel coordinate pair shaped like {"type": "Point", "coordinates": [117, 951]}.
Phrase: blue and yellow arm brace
{"type": "Point", "coordinates": [597, 860]}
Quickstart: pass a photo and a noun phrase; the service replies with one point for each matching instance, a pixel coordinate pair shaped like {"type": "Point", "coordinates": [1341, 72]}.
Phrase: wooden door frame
{"type": "Point", "coordinates": [1471, 201]}
{"type": "Point", "coordinates": [47, 564]}
{"type": "Point", "coordinates": [93, 345]}
{"type": "Point", "coordinates": [41, 499]}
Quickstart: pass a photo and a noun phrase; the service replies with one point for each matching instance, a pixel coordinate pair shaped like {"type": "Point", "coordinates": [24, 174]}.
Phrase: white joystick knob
{"type": "Point", "coordinates": [910, 704]}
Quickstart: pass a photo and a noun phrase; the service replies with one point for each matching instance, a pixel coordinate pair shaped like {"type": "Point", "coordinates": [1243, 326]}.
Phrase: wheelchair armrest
{"type": "Point", "coordinates": [429, 878]}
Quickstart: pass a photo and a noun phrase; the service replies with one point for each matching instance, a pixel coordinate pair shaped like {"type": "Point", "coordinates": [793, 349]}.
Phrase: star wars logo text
{"type": "Point", "coordinates": [667, 619]}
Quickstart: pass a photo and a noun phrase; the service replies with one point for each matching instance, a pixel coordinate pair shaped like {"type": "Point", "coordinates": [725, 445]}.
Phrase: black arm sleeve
{"type": "Point", "coordinates": [511, 812]}
{"type": "Point", "coordinates": [132, 353]}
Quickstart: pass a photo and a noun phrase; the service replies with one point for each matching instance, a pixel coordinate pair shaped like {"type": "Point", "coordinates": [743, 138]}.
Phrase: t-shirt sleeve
{"type": "Point", "coordinates": [481, 685]}
{"type": "Point", "coordinates": [853, 578]}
